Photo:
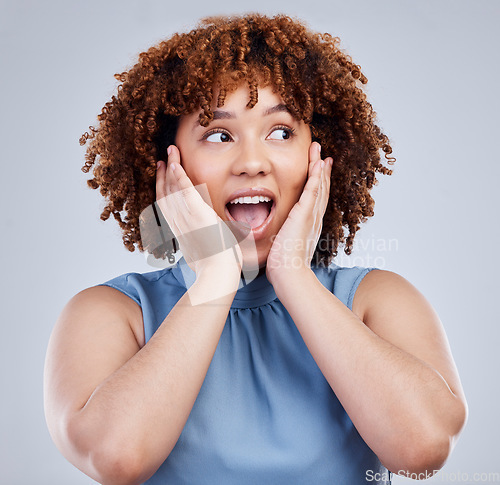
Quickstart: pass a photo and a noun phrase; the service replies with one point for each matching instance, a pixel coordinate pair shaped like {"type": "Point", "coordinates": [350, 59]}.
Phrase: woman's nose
{"type": "Point", "coordinates": [251, 159]}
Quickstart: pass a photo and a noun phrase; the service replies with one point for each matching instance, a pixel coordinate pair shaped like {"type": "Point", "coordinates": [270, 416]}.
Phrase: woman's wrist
{"type": "Point", "coordinates": [286, 281]}
{"type": "Point", "coordinates": [216, 277]}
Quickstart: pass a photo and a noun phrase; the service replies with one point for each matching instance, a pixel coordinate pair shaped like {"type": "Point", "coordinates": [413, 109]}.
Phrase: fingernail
{"type": "Point", "coordinates": [169, 150]}
{"type": "Point", "coordinates": [323, 164]}
{"type": "Point", "coordinates": [319, 149]}
{"type": "Point", "coordinates": [158, 165]}
{"type": "Point", "coordinates": [172, 165]}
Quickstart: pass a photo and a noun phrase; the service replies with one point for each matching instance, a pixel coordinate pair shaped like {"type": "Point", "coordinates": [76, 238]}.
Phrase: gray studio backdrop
{"type": "Point", "coordinates": [433, 75]}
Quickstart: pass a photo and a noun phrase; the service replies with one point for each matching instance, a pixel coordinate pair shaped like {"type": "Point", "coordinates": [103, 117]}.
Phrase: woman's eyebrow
{"type": "Point", "coordinates": [277, 109]}
{"type": "Point", "coordinates": [226, 115]}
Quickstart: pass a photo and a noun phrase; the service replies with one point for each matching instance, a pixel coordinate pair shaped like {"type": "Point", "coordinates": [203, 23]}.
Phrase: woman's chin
{"type": "Point", "coordinates": [254, 261]}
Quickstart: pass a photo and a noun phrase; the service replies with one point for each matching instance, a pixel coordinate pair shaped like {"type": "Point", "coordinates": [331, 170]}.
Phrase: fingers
{"type": "Point", "coordinates": [316, 192]}
{"type": "Point", "coordinates": [173, 198]}
{"type": "Point", "coordinates": [166, 183]}
{"type": "Point", "coordinates": [313, 184]}
{"type": "Point", "coordinates": [314, 156]}
{"type": "Point", "coordinates": [188, 201]}
{"type": "Point", "coordinates": [181, 185]}
{"type": "Point", "coordinates": [175, 172]}
{"type": "Point", "coordinates": [325, 169]}
{"type": "Point", "coordinates": [325, 183]}
{"type": "Point", "coordinates": [323, 193]}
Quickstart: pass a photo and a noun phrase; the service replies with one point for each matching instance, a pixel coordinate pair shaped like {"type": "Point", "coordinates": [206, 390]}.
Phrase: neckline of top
{"type": "Point", "coordinates": [256, 293]}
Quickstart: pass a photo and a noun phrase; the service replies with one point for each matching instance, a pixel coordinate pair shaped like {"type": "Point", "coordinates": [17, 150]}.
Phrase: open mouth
{"type": "Point", "coordinates": [251, 211]}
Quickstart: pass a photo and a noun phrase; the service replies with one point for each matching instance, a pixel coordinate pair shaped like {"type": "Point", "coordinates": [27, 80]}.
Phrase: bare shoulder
{"type": "Point", "coordinates": [397, 311]}
{"type": "Point", "coordinates": [380, 289]}
{"type": "Point", "coordinates": [386, 301]}
{"type": "Point", "coordinates": [102, 302]}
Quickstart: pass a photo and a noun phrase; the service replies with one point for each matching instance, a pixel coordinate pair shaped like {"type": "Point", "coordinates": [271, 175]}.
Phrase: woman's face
{"type": "Point", "coordinates": [263, 151]}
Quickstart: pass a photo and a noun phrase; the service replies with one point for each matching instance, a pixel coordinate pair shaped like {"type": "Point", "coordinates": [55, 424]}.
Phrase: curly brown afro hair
{"type": "Point", "coordinates": [318, 82]}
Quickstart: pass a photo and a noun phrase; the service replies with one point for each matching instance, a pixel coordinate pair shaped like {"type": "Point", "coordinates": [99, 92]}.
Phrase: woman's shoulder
{"type": "Point", "coordinates": [342, 281]}
{"type": "Point", "coordinates": [133, 278]}
{"type": "Point", "coordinates": [100, 306]}
{"type": "Point", "coordinates": [382, 291]}
{"type": "Point", "coordinates": [369, 289]}
{"type": "Point", "coordinates": [139, 286]}
{"type": "Point", "coordinates": [120, 299]}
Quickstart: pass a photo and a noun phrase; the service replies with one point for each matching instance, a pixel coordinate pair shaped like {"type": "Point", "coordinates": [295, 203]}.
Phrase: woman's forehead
{"type": "Point", "coordinates": [235, 105]}
{"type": "Point", "coordinates": [236, 100]}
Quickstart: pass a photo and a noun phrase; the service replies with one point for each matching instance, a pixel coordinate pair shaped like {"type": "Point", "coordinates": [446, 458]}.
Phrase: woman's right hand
{"type": "Point", "coordinates": [206, 242]}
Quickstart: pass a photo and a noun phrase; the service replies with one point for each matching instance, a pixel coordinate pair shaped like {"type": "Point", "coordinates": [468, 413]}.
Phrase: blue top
{"type": "Point", "coordinates": [265, 413]}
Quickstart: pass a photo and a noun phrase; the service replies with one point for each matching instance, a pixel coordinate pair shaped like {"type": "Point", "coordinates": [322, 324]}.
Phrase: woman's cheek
{"type": "Point", "coordinates": [195, 171]}
{"type": "Point", "coordinates": [302, 171]}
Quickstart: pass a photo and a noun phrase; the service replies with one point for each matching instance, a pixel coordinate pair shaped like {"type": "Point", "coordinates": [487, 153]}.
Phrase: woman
{"type": "Point", "coordinates": [309, 373]}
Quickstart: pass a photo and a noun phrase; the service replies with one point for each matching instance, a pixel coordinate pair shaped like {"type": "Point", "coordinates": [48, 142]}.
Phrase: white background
{"type": "Point", "coordinates": [433, 75]}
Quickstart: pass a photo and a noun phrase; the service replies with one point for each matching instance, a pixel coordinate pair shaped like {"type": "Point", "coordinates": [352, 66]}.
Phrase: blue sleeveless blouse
{"type": "Point", "coordinates": [265, 413]}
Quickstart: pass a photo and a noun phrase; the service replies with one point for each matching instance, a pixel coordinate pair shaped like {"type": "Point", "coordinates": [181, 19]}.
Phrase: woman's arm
{"type": "Point", "coordinates": [116, 406]}
{"type": "Point", "coordinates": [114, 409]}
{"type": "Point", "coordinates": [388, 361]}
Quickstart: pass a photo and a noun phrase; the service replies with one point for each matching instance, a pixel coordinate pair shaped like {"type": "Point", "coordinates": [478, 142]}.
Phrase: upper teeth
{"type": "Point", "coordinates": [250, 200]}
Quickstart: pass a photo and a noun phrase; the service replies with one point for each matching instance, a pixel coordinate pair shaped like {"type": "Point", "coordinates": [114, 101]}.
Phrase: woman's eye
{"type": "Point", "coordinates": [218, 137]}
{"type": "Point", "coordinates": [280, 134]}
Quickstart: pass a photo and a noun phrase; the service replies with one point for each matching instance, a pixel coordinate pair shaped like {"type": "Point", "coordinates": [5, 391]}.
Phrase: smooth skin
{"type": "Point", "coordinates": [116, 405]}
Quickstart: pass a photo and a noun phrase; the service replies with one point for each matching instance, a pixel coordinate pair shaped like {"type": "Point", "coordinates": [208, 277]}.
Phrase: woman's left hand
{"type": "Point", "coordinates": [293, 247]}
